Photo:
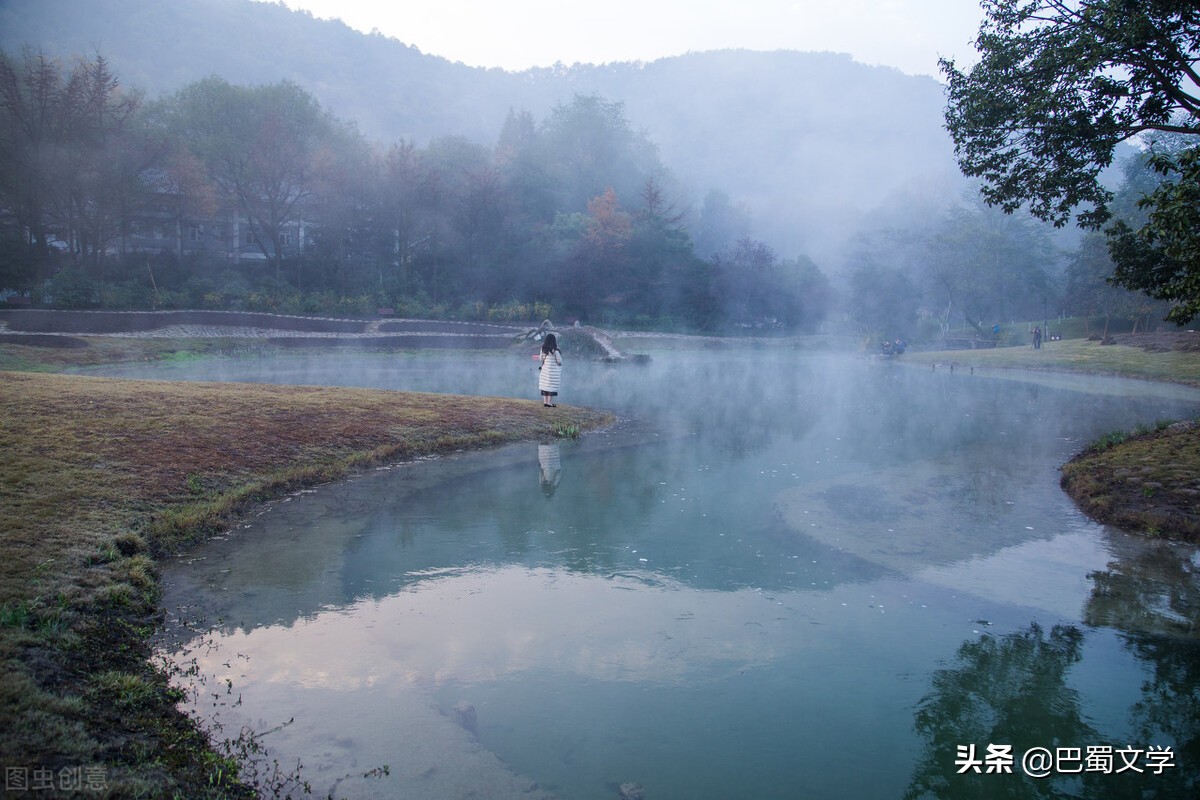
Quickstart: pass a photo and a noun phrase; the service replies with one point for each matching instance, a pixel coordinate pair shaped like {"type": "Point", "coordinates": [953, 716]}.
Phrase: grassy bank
{"type": "Point", "coordinates": [99, 477]}
{"type": "Point", "coordinates": [1139, 358]}
{"type": "Point", "coordinates": [1147, 481]}
{"type": "Point", "coordinates": [86, 351]}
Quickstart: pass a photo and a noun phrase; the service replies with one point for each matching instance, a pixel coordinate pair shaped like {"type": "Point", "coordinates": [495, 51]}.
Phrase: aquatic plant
{"type": "Point", "coordinates": [567, 431]}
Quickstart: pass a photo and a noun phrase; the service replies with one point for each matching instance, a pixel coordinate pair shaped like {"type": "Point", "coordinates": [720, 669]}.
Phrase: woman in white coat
{"type": "Point", "coordinates": [550, 369]}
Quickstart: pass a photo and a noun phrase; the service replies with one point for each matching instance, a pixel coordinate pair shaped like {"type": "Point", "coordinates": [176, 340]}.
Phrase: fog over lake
{"type": "Point", "coordinates": [777, 575]}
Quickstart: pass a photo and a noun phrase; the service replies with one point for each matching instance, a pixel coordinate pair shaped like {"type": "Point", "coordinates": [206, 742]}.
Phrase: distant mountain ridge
{"type": "Point", "coordinates": [811, 143]}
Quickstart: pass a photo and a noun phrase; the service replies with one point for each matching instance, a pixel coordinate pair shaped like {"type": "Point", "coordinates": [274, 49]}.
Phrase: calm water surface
{"type": "Point", "coordinates": [778, 576]}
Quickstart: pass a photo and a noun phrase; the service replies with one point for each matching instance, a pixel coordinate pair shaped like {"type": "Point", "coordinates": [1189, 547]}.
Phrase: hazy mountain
{"type": "Point", "coordinates": [810, 143]}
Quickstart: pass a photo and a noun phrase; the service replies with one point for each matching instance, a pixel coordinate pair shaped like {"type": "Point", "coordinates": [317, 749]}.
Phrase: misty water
{"type": "Point", "coordinates": [778, 575]}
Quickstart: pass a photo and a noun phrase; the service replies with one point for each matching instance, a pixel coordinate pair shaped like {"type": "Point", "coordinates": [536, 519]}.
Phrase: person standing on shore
{"type": "Point", "coordinates": [550, 369]}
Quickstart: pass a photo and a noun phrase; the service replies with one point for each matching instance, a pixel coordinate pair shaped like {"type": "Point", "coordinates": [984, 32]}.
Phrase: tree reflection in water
{"type": "Point", "coordinates": [1015, 689]}
{"type": "Point", "coordinates": [1169, 710]}
{"type": "Point", "coordinates": [1151, 590]}
{"type": "Point", "coordinates": [1152, 596]}
{"type": "Point", "coordinates": [1006, 690]}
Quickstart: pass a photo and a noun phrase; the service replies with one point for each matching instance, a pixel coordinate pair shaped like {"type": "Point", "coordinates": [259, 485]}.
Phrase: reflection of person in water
{"type": "Point", "coordinates": [550, 464]}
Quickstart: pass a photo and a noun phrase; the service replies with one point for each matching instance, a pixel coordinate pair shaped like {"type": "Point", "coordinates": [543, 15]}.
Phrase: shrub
{"type": "Point", "coordinates": [511, 311]}
{"type": "Point", "coordinates": [128, 294]}
{"type": "Point", "coordinates": [72, 288]}
{"type": "Point", "coordinates": [474, 310]}
{"type": "Point", "coordinates": [579, 344]}
{"type": "Point", "coordinates": [359, 306]}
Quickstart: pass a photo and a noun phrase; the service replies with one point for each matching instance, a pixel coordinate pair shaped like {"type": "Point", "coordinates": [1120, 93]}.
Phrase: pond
{"type": "Point", "coordinates": [779, 575]}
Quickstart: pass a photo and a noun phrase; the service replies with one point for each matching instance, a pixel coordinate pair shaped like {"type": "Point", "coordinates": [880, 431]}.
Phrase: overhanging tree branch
{"type": "Point", "coordinates": [1058, 87]}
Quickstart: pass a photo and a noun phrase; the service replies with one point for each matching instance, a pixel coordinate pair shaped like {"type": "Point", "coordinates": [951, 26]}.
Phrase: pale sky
{"type": "Point", "coordinates": [909, 35]}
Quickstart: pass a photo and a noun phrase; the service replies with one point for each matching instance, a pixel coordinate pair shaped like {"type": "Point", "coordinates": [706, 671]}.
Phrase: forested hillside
{"type": "Point", "coordinates": [805, 142]}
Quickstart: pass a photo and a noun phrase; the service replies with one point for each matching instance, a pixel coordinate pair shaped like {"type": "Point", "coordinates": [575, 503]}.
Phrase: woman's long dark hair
{"type": "Point", "coordinates": [550, 344]}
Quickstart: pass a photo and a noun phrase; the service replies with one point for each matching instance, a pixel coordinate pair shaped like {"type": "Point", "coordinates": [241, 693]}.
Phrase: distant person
{"type": "Point", "coordinates": [1037, 338]}
{"type": "Point", "coordinates": [996, 331]}
{"type": "Point", "coordinates": [551, 370]}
